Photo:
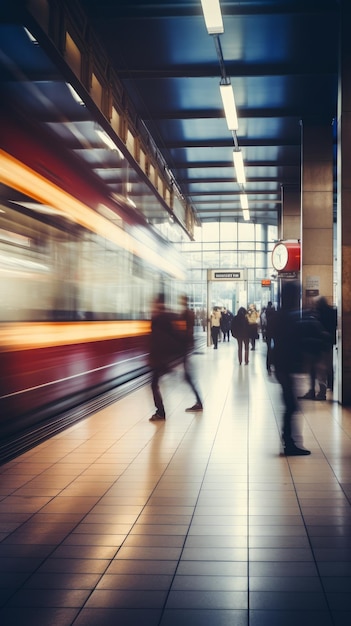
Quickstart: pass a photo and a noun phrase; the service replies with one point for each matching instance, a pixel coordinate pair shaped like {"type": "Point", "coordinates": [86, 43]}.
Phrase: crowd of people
{"type": "Point", "coordinates": [295, 341]}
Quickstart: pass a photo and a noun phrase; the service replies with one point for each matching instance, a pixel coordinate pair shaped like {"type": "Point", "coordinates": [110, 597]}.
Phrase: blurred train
{"type": "Point", "coordinates": [79, 271]}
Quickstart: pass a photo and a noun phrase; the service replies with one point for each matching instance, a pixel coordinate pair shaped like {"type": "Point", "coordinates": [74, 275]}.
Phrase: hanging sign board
{"type": "Point", "coordinates": [239, 274]}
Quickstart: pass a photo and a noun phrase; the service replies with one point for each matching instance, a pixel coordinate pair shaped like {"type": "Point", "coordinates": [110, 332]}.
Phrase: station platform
{"type": "Point", "coordinates": [199, 520]}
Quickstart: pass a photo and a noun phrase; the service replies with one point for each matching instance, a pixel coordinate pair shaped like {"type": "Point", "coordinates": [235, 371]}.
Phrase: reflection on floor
{"type": "Point", "coordinates": [198, 520]}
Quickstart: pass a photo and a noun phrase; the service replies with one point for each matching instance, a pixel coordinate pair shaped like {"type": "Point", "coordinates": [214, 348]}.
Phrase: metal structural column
{"type": "Point", "coordinates": [317, 270]}
{"type": "Point", "coordinates": [344, 210]}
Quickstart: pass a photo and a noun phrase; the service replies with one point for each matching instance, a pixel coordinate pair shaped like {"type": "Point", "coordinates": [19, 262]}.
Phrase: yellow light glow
{"type": "Point", "coordinates": [22, 178]}
{"type": "Point", "coordinates": [23, 336]}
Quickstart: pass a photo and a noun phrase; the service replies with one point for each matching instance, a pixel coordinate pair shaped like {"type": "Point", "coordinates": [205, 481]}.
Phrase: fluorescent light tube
{"type": "Point", "coordinates": [75, 95]}
{"type": "Point", "coordinates": [109, 142]}
{"type": "Point", "coordinates": [213, 17]}
{"type": "Point", "coordinates": [106, 139]}
{"type": "Point", "coordinates": [244, 201]}
{"type": "Point", "coordinates": [30, 36]}
{"type": "Point", "coordinates": [246, 215]}
{"type": "Point", "coordinates": [239, 167]}
{"type": "Point", "coordinates": [227, 95]}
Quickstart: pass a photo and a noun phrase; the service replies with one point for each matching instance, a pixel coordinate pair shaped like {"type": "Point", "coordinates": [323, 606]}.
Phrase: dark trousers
{"type": "Point", "coordinates": [269, 360]}
{"type": "Point", "coordinates": [157, 373]}
{"type": "Point", "coordinates": [189, 378]}
{"type": "Point", "coordinates": [241, 343]}
{"type": "Point", "coordinates": [288, 390]}
{"type": "Point", "coordinates": [214, 334]}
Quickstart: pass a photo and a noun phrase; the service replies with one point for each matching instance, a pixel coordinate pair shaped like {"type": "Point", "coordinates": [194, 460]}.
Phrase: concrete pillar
{"type": "Point", "coordinates": [291, 214]}
{"type": "Point", "coordinates": [316, 211]}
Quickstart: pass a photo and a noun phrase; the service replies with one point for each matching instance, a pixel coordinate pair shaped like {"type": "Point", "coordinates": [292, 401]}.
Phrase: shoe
{"type": "Point", "coordinates": [156, 417]}
{"type": "Point", "coordinates": [310, 395]}
{"type": "Point", "coordinates": [320, 396]}
{"type": "Point", "coordinates": [196, 407]}
{"type": "Point", "coordinates": [322, 393]}
{"type": "Point", "coordinates": [292, 450]}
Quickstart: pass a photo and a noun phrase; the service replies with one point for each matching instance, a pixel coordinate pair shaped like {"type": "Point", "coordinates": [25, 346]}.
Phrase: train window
{"type": "Point", "coordinates": [55, 269]}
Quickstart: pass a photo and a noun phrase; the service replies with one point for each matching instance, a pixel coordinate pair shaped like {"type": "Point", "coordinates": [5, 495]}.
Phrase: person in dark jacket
{"type": "Point", "coordinates": [164, 348]}
{"type": "Point", "coordinates": [286, 359]}
{"type": "Point", "coordinates": [269, 333]}
{"type": "Point", "coordinates": [187, 321]}
{"type": "Point", "coordinates": [226, 320]}
{"type": "Point", "coordinates": [321, 358]}
{"type": "Point", "coordinates": [240, 329]}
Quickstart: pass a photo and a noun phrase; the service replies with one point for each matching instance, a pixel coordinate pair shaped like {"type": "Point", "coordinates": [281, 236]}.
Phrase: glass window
{"type": "Point", "coordinates": [229, 232]}
{"type": "Point", "coordinates": [229, 259]}
{"type": "Point", "coordinates": [246, 245]}
{"type": "Point", "coordinates": [246, 231]}
{"type": "Point", "coordinates": [240, 245]}
{"type": "Point", "coordinates": [210, 231]}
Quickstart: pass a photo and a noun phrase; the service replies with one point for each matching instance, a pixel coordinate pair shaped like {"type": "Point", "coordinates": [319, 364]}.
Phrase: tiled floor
{"type": "Point", "coordinates": [196, 521]}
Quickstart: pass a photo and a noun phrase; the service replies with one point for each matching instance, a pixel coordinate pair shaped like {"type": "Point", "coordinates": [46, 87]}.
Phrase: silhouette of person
{"type": "Point", "coordinates": [188, 318]}
{"type": "Point", "coordinates": [240, 329]}
{"type": "Point", "coordinates": [226, 320]}
{"type": "Point", "coordinates": [164, 347]}
{"type": "Point", "coordinates": [320, 359]}
{"type": "Point", "coordinates": [269, 333]}
{"type": "Point", "coordinates": [286, 355]}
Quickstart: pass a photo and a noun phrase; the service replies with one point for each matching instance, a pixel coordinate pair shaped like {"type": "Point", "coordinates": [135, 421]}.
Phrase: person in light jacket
{"type": "Point", "coordinates": [215, 321]}
{"type": "Point", "coordinates": [253, 317]}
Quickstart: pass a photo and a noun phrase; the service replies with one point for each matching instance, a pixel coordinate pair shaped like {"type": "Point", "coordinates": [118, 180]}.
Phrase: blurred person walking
{"type": "Point", "coordinates": [164, 348]}
{"type": "Point", "coordinates": [187, 320]}
{"type": "Point", "coordinates": [286, 360]}
{"type": "Point", "coordinates": [321, 356]}
{"type": "Point", "coordinates": [240, 329]}
{"type": "Point", "coordinates": [270, 315]}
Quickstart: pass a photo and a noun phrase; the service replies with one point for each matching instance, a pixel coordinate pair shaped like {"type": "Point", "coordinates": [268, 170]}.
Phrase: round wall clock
{"type": "Point", "coordinates": [286, 256]}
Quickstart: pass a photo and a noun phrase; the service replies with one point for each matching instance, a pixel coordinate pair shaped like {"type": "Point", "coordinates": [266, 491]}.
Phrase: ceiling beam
{"type": "Point", "coordinates": [235, 69]}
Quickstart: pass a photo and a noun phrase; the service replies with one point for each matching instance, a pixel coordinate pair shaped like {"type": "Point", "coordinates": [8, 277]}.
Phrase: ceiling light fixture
{"type": "Point", "coordinates": [109, 142]}
{"type": "Point", "coordinates": [245, 206]}
{"type": "Point", "coordinates": [228, 100]}
{"type": "Point", "coordinates": [75, 95]}
{"type": "Point", "coordinates": [131, 202]}
{"type": "Point", "coordinates": [30, 36]}
{"type": "Point", "coordinates": [246, 215]}
{"type": "Point", "coordinates": [213, 16]}
{"type": "Point", "coordinates": [239, 167]}
{"type": "Point", "coordinates": [106, 139]}
{"type": "Point", "coordinates": [244, 201]}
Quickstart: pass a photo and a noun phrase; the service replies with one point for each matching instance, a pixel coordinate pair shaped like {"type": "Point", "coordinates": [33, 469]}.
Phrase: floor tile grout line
{"type": "Point", "coordinates": [194, 508]}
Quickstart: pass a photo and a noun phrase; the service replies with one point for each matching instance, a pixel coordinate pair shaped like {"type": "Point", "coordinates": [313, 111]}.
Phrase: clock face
{"type": "Point", "coordinates": [280, 256]}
